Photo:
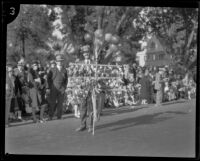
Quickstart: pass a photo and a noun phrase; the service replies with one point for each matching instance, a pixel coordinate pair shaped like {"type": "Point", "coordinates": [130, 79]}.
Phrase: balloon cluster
{"type": "Point", "coordinates": [99, 38]}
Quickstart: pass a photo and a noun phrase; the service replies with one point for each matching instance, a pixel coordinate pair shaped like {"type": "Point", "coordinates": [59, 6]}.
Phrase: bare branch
{"type": "Point", "coordinates": [122, 19]}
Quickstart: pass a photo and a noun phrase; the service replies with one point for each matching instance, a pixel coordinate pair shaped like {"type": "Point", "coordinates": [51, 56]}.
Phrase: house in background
{"type": "Point", "coordinates": [154, 53]}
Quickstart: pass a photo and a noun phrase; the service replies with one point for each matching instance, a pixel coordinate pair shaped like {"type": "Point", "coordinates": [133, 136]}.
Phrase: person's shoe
{"type": "Point", "coordinates": [42, 121]}
{"type": "Point", "coordinates": [45, 119]}
{"type": "Point", "coordinates": [89, 129]}
{"type": "Point", "coordinates": [20, 118]}
{"type": "Point", "coordinates": [35, 121]}
{"type": "Point", "coordinates": [132, 107]}
{"type": "Point", "coordinates": [80, 129]}
{"type": "Point", "coordinates": [12, 119]}
{"type": "Point", "coordinates": [50, 119]}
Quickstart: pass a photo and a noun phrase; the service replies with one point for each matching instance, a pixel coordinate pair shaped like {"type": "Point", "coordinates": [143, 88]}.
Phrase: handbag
{"type": "Point", "coordinates": [28, 109]}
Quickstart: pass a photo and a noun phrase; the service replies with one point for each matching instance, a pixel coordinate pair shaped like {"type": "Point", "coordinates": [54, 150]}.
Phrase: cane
{"type": "Point", "coordinates": [94, 109]}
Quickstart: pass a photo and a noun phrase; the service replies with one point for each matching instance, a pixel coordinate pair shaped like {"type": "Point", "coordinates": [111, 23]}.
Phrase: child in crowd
{"type": "Point", "coordinates": [166, 91]}
{"type": "Point", "coordinates": [44, 95]}
{"type": "Point", "coordinates": [171, 93]}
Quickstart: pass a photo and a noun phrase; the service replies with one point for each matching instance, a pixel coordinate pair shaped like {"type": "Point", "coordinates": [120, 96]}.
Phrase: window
{"type": "Point", "coordinates": [161, 57]}
{"type": "Point", "coordinates": [149, 57]}
{"type": "Point", "coordinates": [152, 45]}
{"type": "Point", "coordinates": [154, 57]}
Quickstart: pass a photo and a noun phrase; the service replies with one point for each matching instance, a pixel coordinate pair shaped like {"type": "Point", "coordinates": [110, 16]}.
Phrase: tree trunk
{"type": "Point", "coordinates": [23, 47]}
{"type": "Point", "coordinates": [100, 18]}
{"type": "Point", "coordinates": [186, 53]}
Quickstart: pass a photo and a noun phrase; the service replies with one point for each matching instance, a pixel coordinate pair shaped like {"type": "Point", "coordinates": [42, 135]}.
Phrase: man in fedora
{"type": "Point", "coordinates": [57, 83]}
{"type": "Point", "coordinates": [21, 80]}
{"type": "Point", "coordinates": [86, 108]}
{"type": "Point", "coordinates": [86, 54]}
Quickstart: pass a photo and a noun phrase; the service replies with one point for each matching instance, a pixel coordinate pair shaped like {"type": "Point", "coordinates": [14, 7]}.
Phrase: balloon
{"type": "Point", "coordinates": [99, 33]}
{"type": "Point", "coordinates": [71, 50]}
{"type": "Point", "coordinates": [98, 42]}
{"type": "Point", "coordinates": [115, 39]}
{"type": "Point", "coordinates": [113, 47]}
{"type": "Point", "coordinates": [88, 37]}
{"type": "Point", "coordinates": [60, 42]}
{"type": "Point", "coordinates": [57, 52]}
{"type": "Point", "coordinates": [108, 37]}
{"type": "Point", "coordinates": [118, 52]}
{"type": "Point", "coordinates": [120, 45]}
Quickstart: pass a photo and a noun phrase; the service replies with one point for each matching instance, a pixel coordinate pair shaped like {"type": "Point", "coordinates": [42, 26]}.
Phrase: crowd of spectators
{"type": "Point", "coordinates": [123, 86]}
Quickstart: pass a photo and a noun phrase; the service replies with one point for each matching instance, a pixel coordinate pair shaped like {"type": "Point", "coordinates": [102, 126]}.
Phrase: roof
{"type": "Point", "coordinates": [157, 46]}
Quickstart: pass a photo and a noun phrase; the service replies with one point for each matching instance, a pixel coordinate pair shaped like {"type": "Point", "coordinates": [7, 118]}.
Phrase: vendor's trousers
{"type": "Point", "coordinates": [100, 103]}
{"type": "Point", "coordinates": [86, 110]}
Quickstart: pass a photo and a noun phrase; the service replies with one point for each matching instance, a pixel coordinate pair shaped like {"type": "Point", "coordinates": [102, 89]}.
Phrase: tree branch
{"type": "Point", "coordinates": [100, 18]}
{"type": "Point", "coordinates": [189, 41]}
{"type": "Point", "coordinates": [122, 20]}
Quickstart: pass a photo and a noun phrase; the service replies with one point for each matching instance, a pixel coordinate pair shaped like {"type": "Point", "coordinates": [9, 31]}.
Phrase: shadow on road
{"type": "Point", "coordinates": [174, 102]}
{"type": "Point", "coordinates": [121, 111]}
{"type": "Point", "coordinates": [140, 120]}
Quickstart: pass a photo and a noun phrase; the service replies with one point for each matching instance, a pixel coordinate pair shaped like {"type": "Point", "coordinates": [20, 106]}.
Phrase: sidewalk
{"type": "Point", "coordinates": [105, 112]}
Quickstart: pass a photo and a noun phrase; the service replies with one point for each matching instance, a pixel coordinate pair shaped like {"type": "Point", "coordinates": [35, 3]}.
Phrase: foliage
{"type": "Point", "coordinates": [176, 29]}
{"type": "Point", "coordinates": [80, 20]}
{"type": "Point", "coordinates": [29, 31]}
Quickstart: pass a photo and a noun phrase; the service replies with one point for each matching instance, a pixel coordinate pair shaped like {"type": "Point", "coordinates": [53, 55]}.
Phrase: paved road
{"type": "Point", "coordinates": [167, 131]}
